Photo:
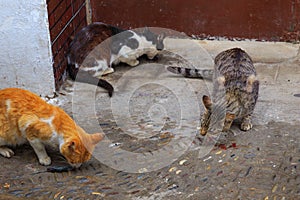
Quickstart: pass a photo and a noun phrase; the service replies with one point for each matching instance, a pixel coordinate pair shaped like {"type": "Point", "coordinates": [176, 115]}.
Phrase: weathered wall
{"type": "Point", "coordinates": [25, 55]}
{"type": "Point", "coordinates": [260, 19]}
{"type": "Point", "coordinates": [66, 17]}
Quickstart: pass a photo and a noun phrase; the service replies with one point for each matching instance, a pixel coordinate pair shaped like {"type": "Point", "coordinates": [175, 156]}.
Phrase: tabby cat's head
{"type": "Point", "coordinates": [205, 120]}
{"type": "Point", "coordinates": [79, 148]}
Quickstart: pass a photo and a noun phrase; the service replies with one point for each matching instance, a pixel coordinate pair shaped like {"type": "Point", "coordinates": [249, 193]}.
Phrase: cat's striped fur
{"type": "Point", "coordinates": [192, 73]}
{"type": "Point", "coordinates": [235, 84]}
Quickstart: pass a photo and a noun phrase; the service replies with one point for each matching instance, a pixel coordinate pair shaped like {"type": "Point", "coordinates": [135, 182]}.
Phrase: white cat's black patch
{"type": "Point", "coordinates": [98, 46]}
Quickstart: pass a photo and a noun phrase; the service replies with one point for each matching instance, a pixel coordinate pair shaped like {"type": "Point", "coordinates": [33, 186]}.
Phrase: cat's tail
{"type": "Point", "coordinates": [85, 77]}
{"type": "Point", "coordinates": [192, 73]}
{"type": "Point", "coordinates": [106, 85]}
{"type": "Point", "coordinates": [97, 81]}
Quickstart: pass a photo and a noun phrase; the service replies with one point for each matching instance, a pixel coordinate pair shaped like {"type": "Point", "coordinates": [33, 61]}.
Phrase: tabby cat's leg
{"type": "Point", "coordinates": [246, 123]}
{"type": "Point", "coordinates": [228, 121]}
{"type": "Point", "coordinates": [6, 152]}
{"type": "Point", "coordinates": [40, 151]}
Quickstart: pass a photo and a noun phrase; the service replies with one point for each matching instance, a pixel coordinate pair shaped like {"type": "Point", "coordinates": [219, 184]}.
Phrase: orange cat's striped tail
{"type": "Point", "coordinates": [192, 73]}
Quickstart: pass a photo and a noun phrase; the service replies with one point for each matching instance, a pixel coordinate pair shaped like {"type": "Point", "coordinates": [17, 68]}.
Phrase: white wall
{"type": "Point", "coordinates": [25, 50]}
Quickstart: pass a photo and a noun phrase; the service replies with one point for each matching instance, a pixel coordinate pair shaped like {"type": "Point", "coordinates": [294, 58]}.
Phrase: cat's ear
{"type": "Point", "coordinates": [161, 36]}
{"type": "Point", "coordinates": [207, 102]}
{"type": "Point", "coordinates": [97, 137]}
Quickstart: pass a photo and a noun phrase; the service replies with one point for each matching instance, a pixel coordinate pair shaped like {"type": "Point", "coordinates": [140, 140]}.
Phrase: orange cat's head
{"type": "Point", "coordinates": [78, 148]}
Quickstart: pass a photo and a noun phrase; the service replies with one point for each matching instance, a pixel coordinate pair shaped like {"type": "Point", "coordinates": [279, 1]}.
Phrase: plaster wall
{"type": "Point", "coordinates": [25, 55]}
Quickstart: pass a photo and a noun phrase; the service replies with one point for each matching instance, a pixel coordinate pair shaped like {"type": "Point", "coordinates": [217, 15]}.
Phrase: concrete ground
{"type": "Point", "coordinates": [152, 150]}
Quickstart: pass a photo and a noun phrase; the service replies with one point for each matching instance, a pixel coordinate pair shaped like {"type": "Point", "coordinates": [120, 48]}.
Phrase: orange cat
{"type": "Point", "coordinates": [25, 117]}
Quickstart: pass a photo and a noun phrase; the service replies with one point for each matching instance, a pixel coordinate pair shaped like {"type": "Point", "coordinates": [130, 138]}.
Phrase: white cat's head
{"type": "Point", "coordinates": [156, 39]}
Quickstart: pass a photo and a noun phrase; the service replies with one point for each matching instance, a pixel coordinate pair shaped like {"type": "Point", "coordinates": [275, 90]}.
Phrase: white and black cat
{"type": "Point", "coordinates": [98, 46]}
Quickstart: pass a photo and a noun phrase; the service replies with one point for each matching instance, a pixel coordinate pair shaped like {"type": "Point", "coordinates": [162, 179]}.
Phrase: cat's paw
{"type": "Point", "coordinates": [151, 56]}
{"type": "Point", "coordinates": [45, 161]}
{"type": "Point", "coordinates": [133, 63]}
{"type": "Point", "coordinates": [108, 71]}
{"type": "Point", "coordinates": [6, 152]}
{"type": "Point", "coordinates": [246, 126]}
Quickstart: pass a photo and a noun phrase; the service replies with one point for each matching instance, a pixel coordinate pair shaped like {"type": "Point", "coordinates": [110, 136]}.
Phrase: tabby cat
{"type": "Point", "coordinates": [117, 45]}
{"type": "Point", "coordinates": [234, 74]}
{"type": "Point", "coordinates": [25, 117]}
